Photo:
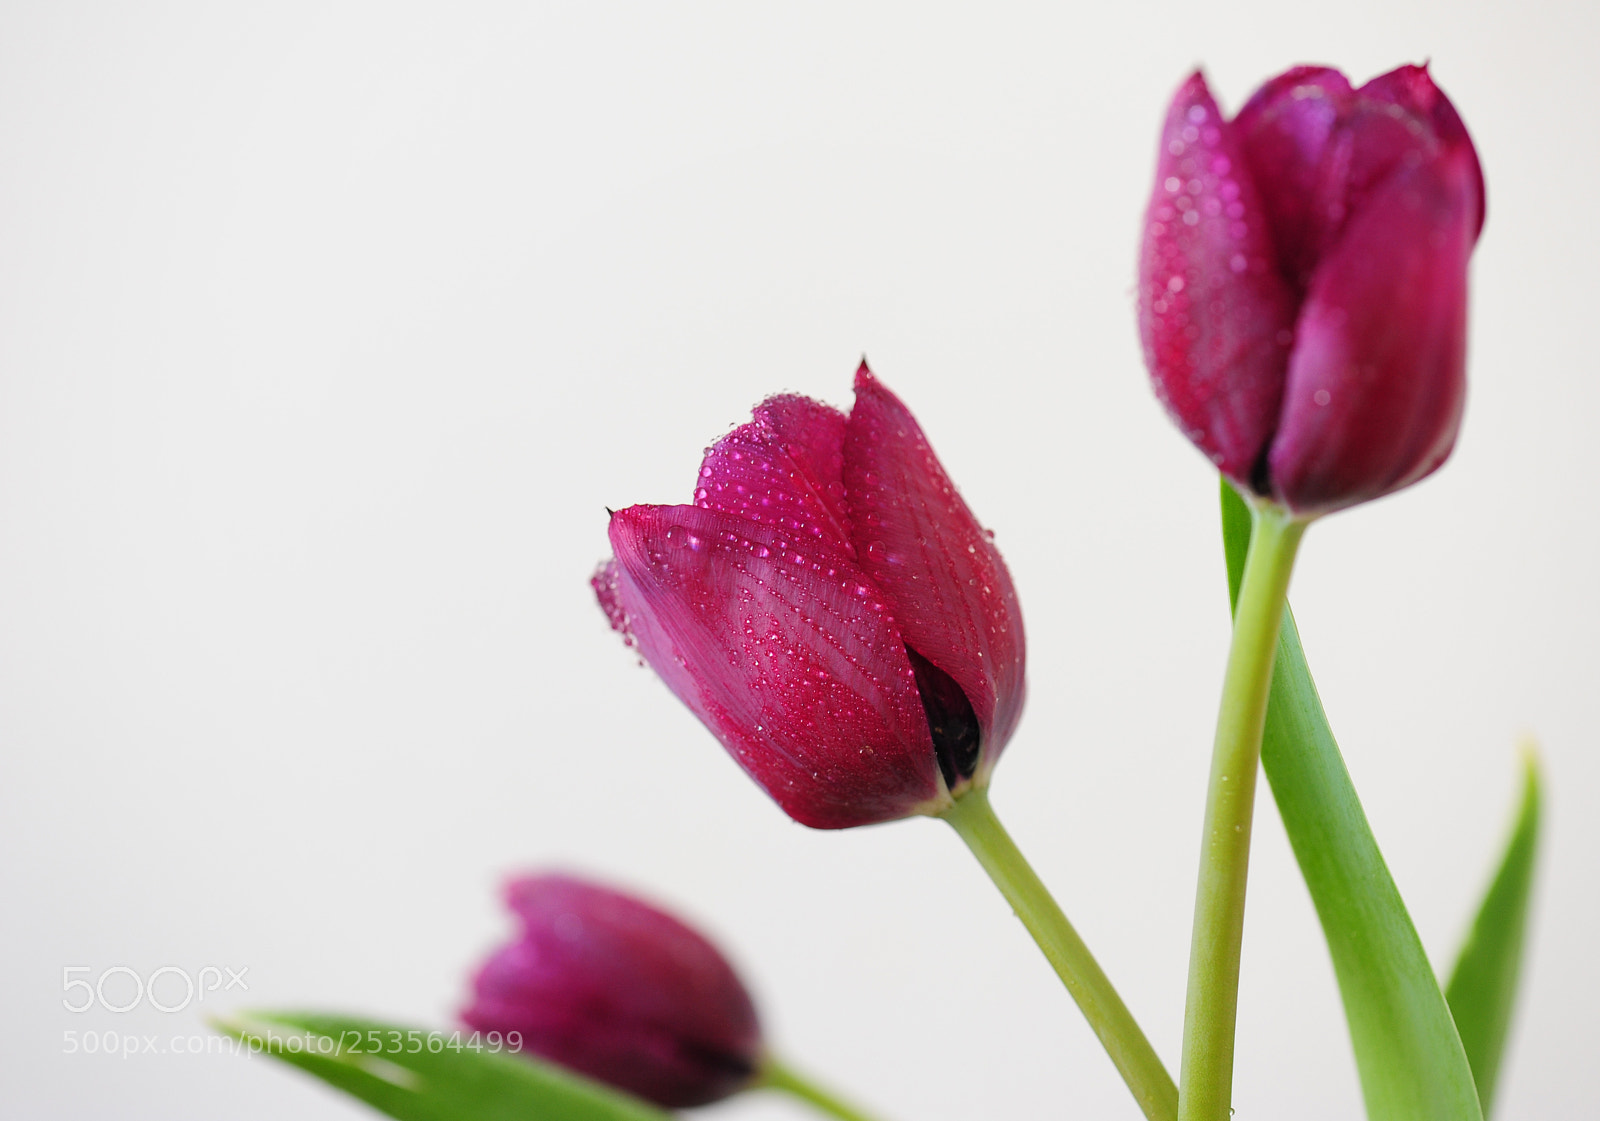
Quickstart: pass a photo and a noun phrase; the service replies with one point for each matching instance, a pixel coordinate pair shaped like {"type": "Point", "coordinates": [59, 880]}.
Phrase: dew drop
{"type": "Point", "coordinates": [681, 538]}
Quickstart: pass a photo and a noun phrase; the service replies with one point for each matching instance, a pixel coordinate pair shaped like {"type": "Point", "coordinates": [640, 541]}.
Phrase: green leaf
{"type": "Point", "coordinates": [1483, 988]}
{"type": "Point", "coordinates": [1412, 1064]}
{"type": "Point", "coordinates": [453, 1083]}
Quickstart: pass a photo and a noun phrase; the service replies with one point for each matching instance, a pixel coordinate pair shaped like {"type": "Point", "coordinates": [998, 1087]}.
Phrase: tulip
{"type": "Point", "coordinates": [830, 609]}
{"type": "Point", "coordinates": [1303, 282]}
{"type": "Point", "coordinates": [614, 989]}
{"type": "Point", "coordinates": [834, 614]}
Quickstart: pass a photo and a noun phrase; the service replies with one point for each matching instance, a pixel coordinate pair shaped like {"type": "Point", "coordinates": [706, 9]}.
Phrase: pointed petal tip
{"type": "Point", "coordinates": [1192, 90]}
{"type": "Point", "coordinates": [617, 522]}
{"type": "Point", "coordinates": [864, 374]}
{"type": "Point", "coordinates": [1411, 73]}
{"type": "Point", "coordinates": [1192, 105]}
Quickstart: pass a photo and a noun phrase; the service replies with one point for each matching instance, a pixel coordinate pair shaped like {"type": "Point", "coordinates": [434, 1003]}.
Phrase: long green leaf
{"type": "Point", "coordinates": [374, 1062]}
{"type": "Point", "coordinates": [1412, 1064]}
{"type": "Point", "coordinates": [1483, 987]}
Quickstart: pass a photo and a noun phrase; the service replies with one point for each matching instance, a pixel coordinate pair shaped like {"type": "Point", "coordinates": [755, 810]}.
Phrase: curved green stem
{"type": "Point", "coordinates": [778, 1075]}
{"type": "Point", "coordinates": [973, 818]}
{"type": "Point", "coordinates": [1206, 1076]}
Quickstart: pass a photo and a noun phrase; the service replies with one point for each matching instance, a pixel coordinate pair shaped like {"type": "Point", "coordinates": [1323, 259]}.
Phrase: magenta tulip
{"type": "Point", "coordinates": [605, 985]}
{"type": "Point", "coordinates": [830, 609]}
{"type": "Point", "coordinates": [1303, 282]}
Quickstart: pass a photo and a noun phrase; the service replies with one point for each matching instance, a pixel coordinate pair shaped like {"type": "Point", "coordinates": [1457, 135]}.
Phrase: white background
{"type": "Point", "coordinates": [327, 331]}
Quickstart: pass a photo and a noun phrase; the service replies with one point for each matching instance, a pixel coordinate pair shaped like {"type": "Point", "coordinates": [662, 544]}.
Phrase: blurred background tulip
{"type": "Point", "coordinates": [1303, 282]}
{"type": "Point", "coordinates": [612, 988]}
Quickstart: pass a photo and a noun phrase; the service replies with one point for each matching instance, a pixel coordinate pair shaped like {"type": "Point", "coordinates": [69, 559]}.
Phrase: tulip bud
{"type": "Point", "coordinates": [605, 985]}
{"type": "Point", "coordinates": [1303, 282]}
{"type": "Point", "coordinates": [830, 609]}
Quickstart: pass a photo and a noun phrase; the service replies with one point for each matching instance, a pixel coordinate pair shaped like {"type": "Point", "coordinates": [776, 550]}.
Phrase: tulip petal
{"type": "Point", "coordinates": [781, 469]}
{"type": "Point", "coordinates": [617, 990]}
{"type": "Point", "coordinates": [786, 650]}
{"type": "Point", "coordinates": [1377, 379]}
{"type": "Point", "coordinates": [1284, 131]}
{"type": "Point", "coordinates": [1373, 142]}
{"type": "Point", "coordinates": [952, 597]}
{"type": "Point", "coordinates": [1215, 312]}
{"type": "Point", "coordinates": [1412, 88]}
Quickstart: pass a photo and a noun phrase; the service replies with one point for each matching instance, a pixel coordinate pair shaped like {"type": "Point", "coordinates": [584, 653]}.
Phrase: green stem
{"type": "Point", "coordinates": [778, 1075]}
{"type": "Point", "coordinates": [973, 818]}
{"type": "Point", "coordinates": [1206, 1077]}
